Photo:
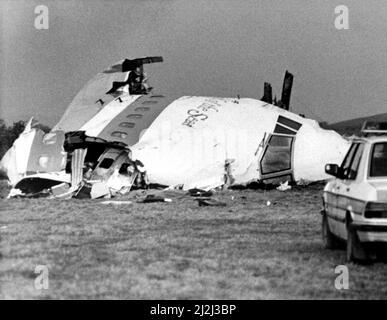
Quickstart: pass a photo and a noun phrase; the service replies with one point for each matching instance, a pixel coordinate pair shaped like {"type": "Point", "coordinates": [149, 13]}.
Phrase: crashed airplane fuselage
{"type": "Point", "coordinates": [108, 140]}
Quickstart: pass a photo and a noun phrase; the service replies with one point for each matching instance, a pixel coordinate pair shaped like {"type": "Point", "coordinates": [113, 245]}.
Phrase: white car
{"type": "Point", "coordinates": [355, 201]}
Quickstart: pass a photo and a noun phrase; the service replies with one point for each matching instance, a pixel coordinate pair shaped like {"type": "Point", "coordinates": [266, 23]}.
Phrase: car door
{"type": "Point", "coordinates": [348, 170]}
{"type": "Point", "coordinates": [330, 202]}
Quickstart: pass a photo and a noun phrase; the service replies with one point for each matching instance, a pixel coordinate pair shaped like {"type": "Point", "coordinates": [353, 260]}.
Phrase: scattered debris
{"type": "Point", "coordinates": [284, 186]}
{"type": "Point", "coordinates": [199, 193]}
{"type": "Point", "coordinates": [153, 198]}
{"type": "Point", "coordinates": [60, 189]}
{"type": "Point", "coordinates": [98, 190]}
{"type": "Point", "coordinates": [117, 202]}
{"type": "Point", "coordinates": [228, 177]}
{"type": "Point", "coordinates": [210, 202]}
{"type": "Point", "coordinates": [271, 203]}
{"type": "Point", "coordinates": [14, 193]}
{"type": "Point", "coordinates": [303, 182]}
{"type": "Point", "coordinates": [204, 198]}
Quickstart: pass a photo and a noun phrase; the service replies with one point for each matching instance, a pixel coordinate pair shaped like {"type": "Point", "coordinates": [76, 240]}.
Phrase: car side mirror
{"type": "Point", "coordinates": [332, 169]}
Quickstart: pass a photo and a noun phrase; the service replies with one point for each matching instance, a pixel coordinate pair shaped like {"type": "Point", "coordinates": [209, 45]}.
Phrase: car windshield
{"type": "Point", "coordinates": [378, 166]}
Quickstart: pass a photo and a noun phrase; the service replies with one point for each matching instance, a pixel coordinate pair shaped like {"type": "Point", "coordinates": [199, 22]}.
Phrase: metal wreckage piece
{"type": "Point", "coordinates": [94, 168]}
{"type": "Point", "coordinates": [91, 151]}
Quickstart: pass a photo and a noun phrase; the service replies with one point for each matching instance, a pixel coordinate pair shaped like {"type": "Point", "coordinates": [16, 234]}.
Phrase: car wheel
{"type": "Point", "coordinates": [329, 239]}
{"type": "Point", "coordinates": [356, 251]}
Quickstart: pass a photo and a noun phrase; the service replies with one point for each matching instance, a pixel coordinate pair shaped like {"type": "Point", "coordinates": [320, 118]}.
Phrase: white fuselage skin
{"type": "Point", "coordinates": [190, 141]}
{"type": "Point", "coordinates": [193, 138]}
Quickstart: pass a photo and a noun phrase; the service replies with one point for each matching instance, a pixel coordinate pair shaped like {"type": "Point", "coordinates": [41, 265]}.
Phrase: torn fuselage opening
{"type": "Point", "coordinates": [95, 147]}
{"type": "Point", "coordinates": [107, 168]}
{"type": "Point", "coordinates": [94, 168]}
{"type": "Point", "coordinates": [32, 186]}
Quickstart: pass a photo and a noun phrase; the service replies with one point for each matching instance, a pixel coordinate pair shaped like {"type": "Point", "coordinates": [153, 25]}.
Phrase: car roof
{"type": "Point", "coordinates": [371, 139]}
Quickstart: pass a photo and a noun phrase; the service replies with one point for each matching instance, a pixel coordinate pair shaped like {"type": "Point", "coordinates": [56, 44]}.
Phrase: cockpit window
{"type": "Point", "coordinates": [106, 163]}
{"type": "Point", "coordinates": [124, 168]}
{"type": "Point", "coordinates": [278, 155]}
{"type": "Point", "coordinates": [378, 166]}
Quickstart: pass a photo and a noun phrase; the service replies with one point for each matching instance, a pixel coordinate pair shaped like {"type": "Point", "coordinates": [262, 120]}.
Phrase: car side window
{"type": "Point", "coordinates": [379, 160]}
{"type": "Point", "coordinates": [352, 173]}
{"type": "Point", "coordinates": [348, 158]}
{"type": "Point", "coordinates": [351, 161]}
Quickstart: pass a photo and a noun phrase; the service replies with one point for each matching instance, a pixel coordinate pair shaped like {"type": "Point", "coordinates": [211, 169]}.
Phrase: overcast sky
{"type": "Point", "coordinates": [213, 48]}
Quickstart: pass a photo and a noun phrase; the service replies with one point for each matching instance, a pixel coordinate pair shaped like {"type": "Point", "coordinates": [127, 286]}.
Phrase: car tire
{"type": "Point", "coordinates": [356, 251]}
{"type": "Point", "coordinates": [329, 239]}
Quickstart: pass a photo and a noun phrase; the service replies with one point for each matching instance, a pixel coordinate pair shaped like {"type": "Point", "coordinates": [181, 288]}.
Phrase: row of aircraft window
{"type": "Point", "coordinates": [129, 125]}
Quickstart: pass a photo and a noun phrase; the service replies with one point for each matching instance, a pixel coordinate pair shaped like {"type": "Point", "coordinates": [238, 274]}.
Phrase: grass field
{"type": "Point", "coordinates": [178, 250]}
